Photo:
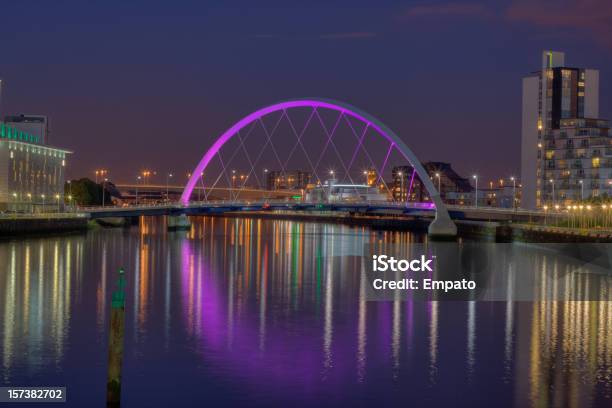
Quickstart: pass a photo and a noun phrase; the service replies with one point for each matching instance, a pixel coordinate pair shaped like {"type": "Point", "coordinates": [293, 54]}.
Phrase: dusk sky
{"type": "Point", "coordinates": [130, 85]}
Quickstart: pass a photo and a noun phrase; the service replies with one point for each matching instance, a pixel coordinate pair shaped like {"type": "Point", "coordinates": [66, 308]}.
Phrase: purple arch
{"type": "Point", "coordinates": [344, 108]}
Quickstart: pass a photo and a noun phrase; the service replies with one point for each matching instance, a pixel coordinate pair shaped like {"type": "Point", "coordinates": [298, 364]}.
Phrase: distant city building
{"type": "Point", "coordinates": [407, 186]}
{"type": "Point", "coordinates": [31, 173]}
{"type": "Point", "coordinates": [504, 193]}
{"type": "Point", "coordinates": [561, 102]}
{"type": "Point", "coordinates": [37, 125]}
{"type": "Point", "coordinates": [332, 191]}
{"type": "Point", "coordinates": [402, 180]}
{"type": "Point", "coordinates": [371, 177]}
{"type": "Point", "coordinates": [288, 180]}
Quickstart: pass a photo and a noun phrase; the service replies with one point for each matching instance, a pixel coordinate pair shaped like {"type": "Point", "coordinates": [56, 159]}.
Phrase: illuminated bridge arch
{"type": "Point", "coordinates": [442, 224]}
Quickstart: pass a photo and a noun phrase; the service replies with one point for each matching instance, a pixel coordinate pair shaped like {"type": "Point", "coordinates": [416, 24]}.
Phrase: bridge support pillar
{"type": "Point", "coordinates": [442, 227]}
{"type": "Point", "coordinates": [178, 222]}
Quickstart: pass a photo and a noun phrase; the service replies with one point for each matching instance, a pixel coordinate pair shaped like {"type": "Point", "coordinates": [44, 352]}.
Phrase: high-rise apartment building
{"type": "Point", "coordinates": [560, 102]}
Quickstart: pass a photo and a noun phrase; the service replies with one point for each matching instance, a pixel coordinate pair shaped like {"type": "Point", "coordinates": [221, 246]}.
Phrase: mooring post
{"type": "Point", "coordinates": [115, 343]}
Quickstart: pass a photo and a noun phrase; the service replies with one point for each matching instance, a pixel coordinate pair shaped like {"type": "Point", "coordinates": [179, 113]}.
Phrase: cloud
{"type": "Point", "coordinates": [348, 36]}
{"type": "Point", "coordinates": [592, 16]}
{"type": "Point", "coordinates": [447, 9]}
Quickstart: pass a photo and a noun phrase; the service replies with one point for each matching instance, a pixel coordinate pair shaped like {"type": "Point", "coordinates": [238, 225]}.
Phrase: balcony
{"type": "Point", "coordinates": [600, 142]}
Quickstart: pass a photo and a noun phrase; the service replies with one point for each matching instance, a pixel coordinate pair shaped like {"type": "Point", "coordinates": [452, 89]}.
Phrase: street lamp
{"type": "Point", "coordinates": [330, 185]}
{"type": "Point", "coordinates": [365, 176]}
{"type": "Point", "coordinates": [439, 190]}
{"type": "Point", "coordinates": [137, 183]}
{"type": "Point", "coordinates": [57, 197]}
{"type": "Point", "coordinates": [581, 189]}
{"type": "Point", "coordinates": [168, 177]}
{"type": "Point", "coordinates": [513, 192]}
{"type": "Point", "coordinates": [30, 200]}
{"type": "Point", "coordinates": [552, 182]}
{"type": "Point", "coordinates": [103, 190]}
{"type": "Point", "coordinates": [265, 182]}
{"type": "Point", "coordinates": [101, 173]}
{"type": "Point", "coordinates": [475, 177]}
{"type": "Point", "coordinates": [401, 175]}
{"type": "Point", "coordinates": [43, 201]}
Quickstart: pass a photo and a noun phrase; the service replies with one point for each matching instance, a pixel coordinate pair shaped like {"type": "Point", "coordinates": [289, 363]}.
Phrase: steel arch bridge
{"type": "Point", "coordinates": [442, 225]}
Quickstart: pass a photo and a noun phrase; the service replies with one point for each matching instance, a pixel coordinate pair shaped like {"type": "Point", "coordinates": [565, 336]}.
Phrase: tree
{"type": "Point", "coordinates": [84, 192]}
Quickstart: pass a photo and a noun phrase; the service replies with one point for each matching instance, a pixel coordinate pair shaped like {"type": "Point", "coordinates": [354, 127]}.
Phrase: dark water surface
{"type": "Point", "coordinates": [245, 312]}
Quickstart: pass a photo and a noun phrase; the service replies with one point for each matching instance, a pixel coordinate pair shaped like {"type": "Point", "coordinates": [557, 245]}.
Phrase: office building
{"type": "Point", "coordinates": [31, 173]}
{"type": "Point", "coordinates": [37, 125]}
{"type": "Point", "coordinates": [332, 191]}
{"type": "Point", "coordinates": [288, 180]}
{"type": "Point", "coordinates": [555, 99]}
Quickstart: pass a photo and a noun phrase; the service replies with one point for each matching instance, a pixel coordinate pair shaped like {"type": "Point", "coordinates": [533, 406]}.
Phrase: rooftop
{"type": "Point", "coordinates": [11, 133]}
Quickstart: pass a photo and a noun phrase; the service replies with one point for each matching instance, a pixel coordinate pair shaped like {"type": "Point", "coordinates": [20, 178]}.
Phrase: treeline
{"type": "Point", "coordinates": [87, 192]}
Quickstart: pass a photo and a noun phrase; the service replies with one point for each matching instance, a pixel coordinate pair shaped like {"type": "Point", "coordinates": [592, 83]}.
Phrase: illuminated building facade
{"type": "Point", "coordinates": [32, 124]}
{"type": "Point", "coordinates": [31, 174]}
{"type": "Point", "coordinates": [371, 176]}
{"type": "Point", "coordinates": [288, 180]}
{"type": "Point", "coordinates": [407, 186]}
{"type": "Point", "coordinates": [332, 191]}
{"type": "Point", "coordinates": [551, 97]}
{"type": "Point", "coordinates": [577, 161]}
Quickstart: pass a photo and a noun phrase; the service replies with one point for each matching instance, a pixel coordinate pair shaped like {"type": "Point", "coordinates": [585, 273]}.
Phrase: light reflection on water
{"type": "Point", "coordinates": [260, 312]}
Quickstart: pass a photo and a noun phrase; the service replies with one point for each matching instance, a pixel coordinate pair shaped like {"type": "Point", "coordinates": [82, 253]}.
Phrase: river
{"type": "Point", "coordinates": [251, 312]}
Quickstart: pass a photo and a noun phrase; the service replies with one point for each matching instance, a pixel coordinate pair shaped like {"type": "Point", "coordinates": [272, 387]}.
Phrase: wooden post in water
{"type": "Point", "coordinates": [115, 344]}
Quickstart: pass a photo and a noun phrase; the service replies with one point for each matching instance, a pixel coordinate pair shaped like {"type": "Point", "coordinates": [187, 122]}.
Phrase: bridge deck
{"type": "Point", "coordinates": [370, 208]}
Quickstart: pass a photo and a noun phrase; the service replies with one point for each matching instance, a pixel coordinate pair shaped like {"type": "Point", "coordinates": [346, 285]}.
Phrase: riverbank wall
{"type": "Point", "coordinates": [481, 230]}
{"type": "Point", "coordinates": [41, 224]}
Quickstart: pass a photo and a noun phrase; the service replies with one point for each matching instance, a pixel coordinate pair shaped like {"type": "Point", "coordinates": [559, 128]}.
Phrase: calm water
{"type": "Point", "coordinates": [242, 312]}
